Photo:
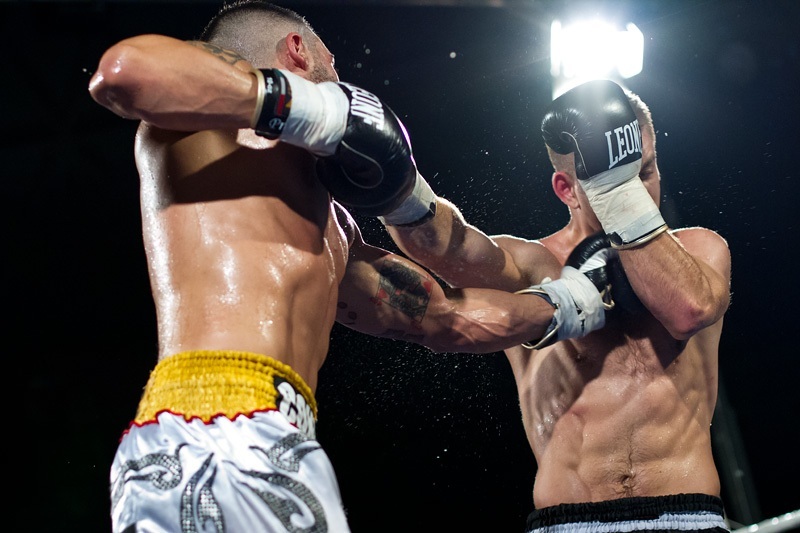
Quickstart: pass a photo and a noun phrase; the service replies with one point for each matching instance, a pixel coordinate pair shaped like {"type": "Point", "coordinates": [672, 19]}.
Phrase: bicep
{"type": "Point", "coordinates": [527, 262]}
{"type": "Point", "coordinates": [459, 253]}
{"type": "Point", "coordinates": [483, 261]}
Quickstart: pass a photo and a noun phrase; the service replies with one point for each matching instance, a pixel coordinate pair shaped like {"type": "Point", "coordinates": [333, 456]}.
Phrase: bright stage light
{"type": "Point", "coordinates": [593, 50]}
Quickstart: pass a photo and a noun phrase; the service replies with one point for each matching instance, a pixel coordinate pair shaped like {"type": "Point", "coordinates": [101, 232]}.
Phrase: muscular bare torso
{"type": "Point", "coordinates": [625, 411]}
{"type": "Point", "coordinates": [243, 247]}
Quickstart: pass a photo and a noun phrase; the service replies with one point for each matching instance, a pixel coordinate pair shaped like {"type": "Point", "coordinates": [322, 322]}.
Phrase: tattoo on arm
{"type": "Point", "coordinates": [229, 56]}
{"type": "Point", "coordinates": [347, 318]}
{"type": "Point", "coordinates": [404, 289]}
{"type": "Point", "coordinates": [401, 288]}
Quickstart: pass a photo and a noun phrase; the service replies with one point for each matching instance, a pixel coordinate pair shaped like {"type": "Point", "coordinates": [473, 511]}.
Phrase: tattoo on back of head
{"type": "Point", "coordinates": [228, 56]}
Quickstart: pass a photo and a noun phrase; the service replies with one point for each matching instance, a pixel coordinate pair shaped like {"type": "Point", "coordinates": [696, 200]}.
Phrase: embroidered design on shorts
{"type": "Point", "coordinates": [162, 470]}
{"type": "Point", "coordinates": [200, 507]}
{"type": "Point", "coordinates": [294, 447]}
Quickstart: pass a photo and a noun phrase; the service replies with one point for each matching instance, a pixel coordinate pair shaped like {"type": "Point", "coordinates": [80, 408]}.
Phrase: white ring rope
{"type": "Point", "coordinates": [784, 522]}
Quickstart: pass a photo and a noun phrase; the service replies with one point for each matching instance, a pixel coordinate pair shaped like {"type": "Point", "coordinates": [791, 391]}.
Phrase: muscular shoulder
{"type": "Point", "coordinates": [706, 245]}
{"type": "Point", "coordinates": [533, 260]}
{"type": "Point", "coordinates": [697, 237]}
{"type": "Point", "coordinates": [518, 245]}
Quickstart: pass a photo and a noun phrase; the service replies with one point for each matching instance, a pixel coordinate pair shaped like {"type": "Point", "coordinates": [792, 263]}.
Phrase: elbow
{"type": "Point", "coordinates": [115, 83]}
{"type": "Point", "coordinates": [688, 319]}
{"type": "Point", "coordinates": [685, 323]}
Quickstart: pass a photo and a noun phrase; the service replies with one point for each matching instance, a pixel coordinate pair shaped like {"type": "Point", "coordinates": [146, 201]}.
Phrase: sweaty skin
{"type": "Point", "coordinates": [626, 410]}
{"type": "Point", "coordinates": [242, 243]}
{"type": "Point", "coordinates": [246, 250]}
{"type": "Point", "coordinates": [237, 259]}
{"type": "Point", "coordinates": [622, 412]}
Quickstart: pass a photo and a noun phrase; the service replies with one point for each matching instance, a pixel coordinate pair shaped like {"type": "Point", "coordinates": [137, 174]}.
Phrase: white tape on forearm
{"type": "Point", "coordinates": [414, 207]}
{"type": "Point", "coordinates": [318, 115]}
{"type": "Point", "coordinates": [624, 207]}
{"type": "Point", "coordinates": [579, 307]}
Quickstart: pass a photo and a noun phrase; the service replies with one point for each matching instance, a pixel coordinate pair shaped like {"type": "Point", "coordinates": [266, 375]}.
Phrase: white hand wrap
{"type": "Point", "coordinates": [417, 207]}
{"type": "Point", "coordinates": [579, 307]}
{"type": "Point", "coordinates": [623, 206]}
{"type": "Point", "coordinates": [317, 113]}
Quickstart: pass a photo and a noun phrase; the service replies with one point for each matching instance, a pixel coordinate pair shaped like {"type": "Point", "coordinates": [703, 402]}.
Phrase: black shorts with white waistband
{"type": "Point", "coordinates": [677, 512]}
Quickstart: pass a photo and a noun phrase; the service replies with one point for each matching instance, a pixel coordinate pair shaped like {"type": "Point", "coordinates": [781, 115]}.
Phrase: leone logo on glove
{"type": "Point", "coordinates": [366, 106]}
{"type": "Point", "coordinates": [622, 142]}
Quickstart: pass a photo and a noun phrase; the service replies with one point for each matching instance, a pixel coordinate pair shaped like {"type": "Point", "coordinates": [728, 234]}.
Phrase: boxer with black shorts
{"type": "Point", "coordinates": [619, 420]}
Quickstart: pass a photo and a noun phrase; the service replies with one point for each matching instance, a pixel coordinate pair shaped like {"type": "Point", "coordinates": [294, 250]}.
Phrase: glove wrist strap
{"type": "Point", "coordinates": [579, 307]}
{"type": "Point", "coordinates": [641, 240]}
{"type": "Point", "coordinates": [416, 209]}
{"type": "Point", "coordinates": [550, 335]}
{"type": "Point", "coordinates": [273, 104]}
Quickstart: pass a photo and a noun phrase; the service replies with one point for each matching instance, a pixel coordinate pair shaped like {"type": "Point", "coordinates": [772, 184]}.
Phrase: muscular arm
{"type": "Point", "coordinates": [683, 281]}
{"type": "Point", "coordinates": [386, 295]}
{"type": "Point", "coordinates": [175, 85]}
{"type": "Point", "coordinates": [464, 256]}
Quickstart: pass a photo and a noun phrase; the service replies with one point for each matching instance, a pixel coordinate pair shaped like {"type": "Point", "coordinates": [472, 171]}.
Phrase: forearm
{"type": "Point", "coordinates": [175, 85]}
{"type": "Point", "coordinates": [685, 293]}
{"type": "Point", "coordinates": [387, 295]}
{"type": "Point", "coordinates": [428, 242]}
{"type": "Point", "coordinates": [455, 251]}
{"type": "Point", "coordinates": [485, 321]}
{"type": "Point", "coordinates": [481, 320]}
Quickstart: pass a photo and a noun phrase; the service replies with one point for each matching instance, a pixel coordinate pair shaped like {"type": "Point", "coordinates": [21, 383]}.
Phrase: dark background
{"type": "Point", "coordinates": [420, 442]}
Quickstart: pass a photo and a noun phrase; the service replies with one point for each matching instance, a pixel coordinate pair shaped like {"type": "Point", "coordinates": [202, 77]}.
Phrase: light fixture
{"type": "Point", "coordinates": [589, 50]}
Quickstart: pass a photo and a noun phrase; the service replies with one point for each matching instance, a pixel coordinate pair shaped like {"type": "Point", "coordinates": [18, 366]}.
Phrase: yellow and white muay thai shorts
{"type": "Point", "coordinates": [224, 442]}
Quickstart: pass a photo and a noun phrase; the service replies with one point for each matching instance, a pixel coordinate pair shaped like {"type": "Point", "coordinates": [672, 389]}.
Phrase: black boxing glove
{"type": "Point", "coordinates": [595, 257]}
{"type": "Point", "coordinates": [591, 257]}
{"type": "Point", "coordinates": [375, 159]}
{"type": "Point", "coordinates": [595, 122]}
{"type": "Point", "coordinates": [367, 161]}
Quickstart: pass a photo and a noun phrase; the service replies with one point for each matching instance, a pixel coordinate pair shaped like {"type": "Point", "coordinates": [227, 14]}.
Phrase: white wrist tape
{"type": "Point", "coordinates": [579, 307]}
{"type": "Point", "coordinates": [317, 117]}
{"type": "Point", "coordinates": [623, 206]}
{"type": "Point", "coordinates": [418, 205]}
